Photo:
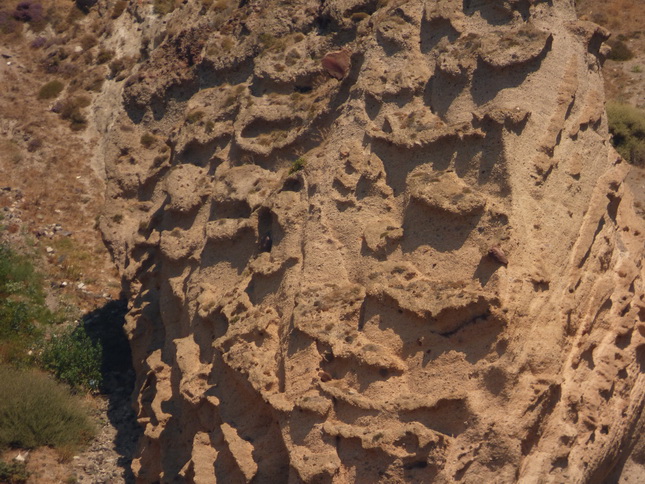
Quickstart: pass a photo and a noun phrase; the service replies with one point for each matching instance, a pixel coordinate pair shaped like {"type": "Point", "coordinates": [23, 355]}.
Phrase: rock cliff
{"type": "Point", "coordinates": [374, 242]}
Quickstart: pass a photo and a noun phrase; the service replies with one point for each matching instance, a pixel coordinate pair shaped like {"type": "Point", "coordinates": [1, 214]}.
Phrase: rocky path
{"type": "Point", "coordinates": [108, 458]}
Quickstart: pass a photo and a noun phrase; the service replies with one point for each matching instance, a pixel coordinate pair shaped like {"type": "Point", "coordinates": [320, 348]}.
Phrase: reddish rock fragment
{"type": "Point", "coordinates": [498, 254]}
{"type": "Point", "coordinates": [337, 64]}
{"type": "Point", "coordinates": [324, 376]}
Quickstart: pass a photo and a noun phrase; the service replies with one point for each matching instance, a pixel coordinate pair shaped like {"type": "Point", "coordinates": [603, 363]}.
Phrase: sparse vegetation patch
{"type": "Point", "coordinates": [51, 90]}
{"type": "Point", "coordinates": [70, 110]}
{"type": "Point", "coordinates": [627, 126]}
{"type": "Point", "coordinates": [620, 51]}
{"type": "Point", "coordinates": [22, 307]}
{"type": "Point", "coordinates": [297, 165]}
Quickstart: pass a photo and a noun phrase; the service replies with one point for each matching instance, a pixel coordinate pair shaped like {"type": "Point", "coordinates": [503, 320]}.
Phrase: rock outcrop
{"type": "Point", "coordinates": [375, 242]}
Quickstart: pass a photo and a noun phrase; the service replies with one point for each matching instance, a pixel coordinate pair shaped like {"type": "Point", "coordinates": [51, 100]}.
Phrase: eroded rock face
{"type": "Point", "coordinates": [312, 295]}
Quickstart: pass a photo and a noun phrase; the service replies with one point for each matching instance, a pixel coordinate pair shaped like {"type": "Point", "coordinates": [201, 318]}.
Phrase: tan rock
{"type": "Point", "coordinates": [428, 272]}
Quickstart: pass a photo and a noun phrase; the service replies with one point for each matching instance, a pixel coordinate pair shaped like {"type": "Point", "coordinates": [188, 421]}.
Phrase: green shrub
{"type": "Point", "coordinates": [74, 359]}
{"type": "Point", "coordinates": [297, 165]}
{"type": "Point", "coordinates": [14, 472]}
{"type": "Point", "coordinates": [51, 90]}
{"type": "Point", "coordinates": [36, 411]}
{"type": "Point", "coordinates": [620, 51]}
{"type": "Point", "coordinates": [627, 126]}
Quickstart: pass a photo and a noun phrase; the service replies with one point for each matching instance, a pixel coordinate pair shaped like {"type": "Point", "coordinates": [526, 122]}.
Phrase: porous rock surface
{"type": "Point", "coordinates": [306, 244]}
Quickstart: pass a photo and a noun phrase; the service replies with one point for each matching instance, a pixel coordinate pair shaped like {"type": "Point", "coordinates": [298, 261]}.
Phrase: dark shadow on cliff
{"type": "Point", "coordinates": [105, 325]}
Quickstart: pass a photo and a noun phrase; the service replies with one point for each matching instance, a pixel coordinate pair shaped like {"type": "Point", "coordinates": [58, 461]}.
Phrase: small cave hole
{"type": "Point", "coordinates": [292, 185]}
{"type": "Point", "coordinates": [623, 340]}
{"type": "Point", "coordinates": [265, 233]}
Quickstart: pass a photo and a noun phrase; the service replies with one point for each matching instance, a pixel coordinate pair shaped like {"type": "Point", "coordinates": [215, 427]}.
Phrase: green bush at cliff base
{"type": "Point", "coordinates": [22, 307]}
{"type": "Point", "coordinates": [36, 411]}
{"type": "Point", "coordinates": [69, 354]}
{"type": "Point", "coordinates": [627, 126]}
{"type": "Point", "coordinates": [74, 359]}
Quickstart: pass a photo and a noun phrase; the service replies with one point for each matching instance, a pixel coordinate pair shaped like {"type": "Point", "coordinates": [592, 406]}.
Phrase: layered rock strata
{"type": "Point", "coordinates": [414, 260]}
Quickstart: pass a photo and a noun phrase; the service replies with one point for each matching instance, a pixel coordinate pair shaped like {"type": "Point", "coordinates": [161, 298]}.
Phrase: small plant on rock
{"type": "Point", "coordinates": [297, 165]}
